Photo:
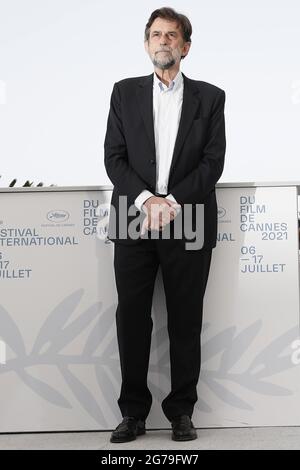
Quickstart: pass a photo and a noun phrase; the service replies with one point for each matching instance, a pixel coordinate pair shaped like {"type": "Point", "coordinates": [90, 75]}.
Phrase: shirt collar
{"type": "Point", "coordinates": [176, 82]}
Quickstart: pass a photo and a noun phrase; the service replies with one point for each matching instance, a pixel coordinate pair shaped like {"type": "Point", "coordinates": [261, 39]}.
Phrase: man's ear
{"type": "Point", "coordinates": [146, 46]}
{"type": "Point", "coordinates": [186, 49]}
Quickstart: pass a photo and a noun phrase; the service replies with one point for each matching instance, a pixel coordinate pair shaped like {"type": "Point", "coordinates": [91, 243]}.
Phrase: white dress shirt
{"type": "Point", "coordinates": [167, 104]}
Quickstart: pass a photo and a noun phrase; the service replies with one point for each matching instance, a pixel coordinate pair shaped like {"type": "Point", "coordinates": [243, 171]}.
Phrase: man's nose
{"type": "Point", "coordinates": [164, 39]}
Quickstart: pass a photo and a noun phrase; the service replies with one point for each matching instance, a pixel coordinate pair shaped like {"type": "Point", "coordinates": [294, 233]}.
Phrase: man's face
{"type": "Point", "coordinates": [166, 44]}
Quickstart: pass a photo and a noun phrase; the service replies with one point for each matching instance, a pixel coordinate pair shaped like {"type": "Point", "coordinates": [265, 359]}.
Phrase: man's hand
{"type": "Point", "coordinates": [159, 212]}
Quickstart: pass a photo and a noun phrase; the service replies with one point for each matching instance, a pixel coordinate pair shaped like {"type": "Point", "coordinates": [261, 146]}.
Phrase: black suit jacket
{"type": "Point", "coordinates": [198, 158]}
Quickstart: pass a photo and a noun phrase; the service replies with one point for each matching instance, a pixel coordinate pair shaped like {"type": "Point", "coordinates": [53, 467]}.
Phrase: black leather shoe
{"type": "Point", "coordinates": [183, 429]}
{"type": "Point", "coordinates": [128, 429]}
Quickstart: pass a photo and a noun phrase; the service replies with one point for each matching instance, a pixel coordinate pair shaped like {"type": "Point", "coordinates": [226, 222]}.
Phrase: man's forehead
{"type": "Point", "coordinates": [160, 23]}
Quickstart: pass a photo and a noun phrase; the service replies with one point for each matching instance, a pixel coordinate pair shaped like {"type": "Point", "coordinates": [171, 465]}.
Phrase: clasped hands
{"type": "Point", "coordinates": [159, 212]}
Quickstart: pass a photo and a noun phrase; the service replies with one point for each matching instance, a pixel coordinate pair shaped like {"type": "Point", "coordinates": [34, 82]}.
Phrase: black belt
{"type": "Point", "coordinates": [160, 195]}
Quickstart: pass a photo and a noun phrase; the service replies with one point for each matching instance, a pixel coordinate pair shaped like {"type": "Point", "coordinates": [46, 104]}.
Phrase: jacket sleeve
{"type": "Point", "coordinates": [197, 184]}
{"type": "Point", "coordinates": [121, 174]}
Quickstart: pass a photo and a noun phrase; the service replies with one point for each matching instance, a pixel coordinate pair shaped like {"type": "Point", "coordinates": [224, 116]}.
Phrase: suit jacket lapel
{"type": "Point", "coordinates": [144, 95]}
{"type": "Point", "coordinates": [190, 104]}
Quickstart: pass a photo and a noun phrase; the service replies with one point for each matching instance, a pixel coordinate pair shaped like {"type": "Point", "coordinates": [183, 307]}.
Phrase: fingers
{"type": "Point", "coordinates": [159, 212]}
{"type": "Point", "coordinates": [157, 221]}
{"type": "Point", "coordinates": [172, 203]}
{"type": "Point", "coordinates": [145, 225]}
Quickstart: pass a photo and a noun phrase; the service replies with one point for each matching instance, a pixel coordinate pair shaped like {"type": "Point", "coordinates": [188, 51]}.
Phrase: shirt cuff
{"type": "Point", "coordinates": [172, 198]}
{"type": "Point", "coordinates": [142, 197]}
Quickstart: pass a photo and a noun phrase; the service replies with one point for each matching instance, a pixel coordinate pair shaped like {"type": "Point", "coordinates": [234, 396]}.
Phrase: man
{"type": "Point", "coordinates": [164, 148]}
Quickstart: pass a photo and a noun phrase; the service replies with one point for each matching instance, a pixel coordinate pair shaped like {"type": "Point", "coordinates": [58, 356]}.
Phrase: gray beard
{"type": "Point", "coordinates": [164, 66]}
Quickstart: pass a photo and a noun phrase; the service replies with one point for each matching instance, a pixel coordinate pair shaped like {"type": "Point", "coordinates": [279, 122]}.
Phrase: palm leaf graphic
{"type": "Point", "coordinates": [239, 345]}
{"type": "Point", "coordinates": [56, 320]}
{"type": "Point", "coordinates": [44, 390]}
{"type": "Point", "coordinates": [55, 334]}
{"type": "Point", "coordinates": [160, 336]}
{"type": "Point", "coordinates": [83, 395]}
{"type": "Point", "coordinates": [99, 331]}
{"type": "Point", "coordinates": [107, 387]}
{"type": "Point", "coordinates": [10, 333]}
{"type": "Point", "coordinates": [268, 361]}
{"type": "Point", "coordinates": [201, 405]}
{"type": "Point", "coordinates": [262, 387]}
{"type": "Point", "coordinates": [217, 343]}
{"type": "Point", "coordinates": [70, 332]}
{"type": "Point", "coordinates": [224, 394]}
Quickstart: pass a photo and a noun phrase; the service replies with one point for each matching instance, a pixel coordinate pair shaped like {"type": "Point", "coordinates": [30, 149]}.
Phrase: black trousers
{"type": "Point", "coordinates": [185, 274]}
